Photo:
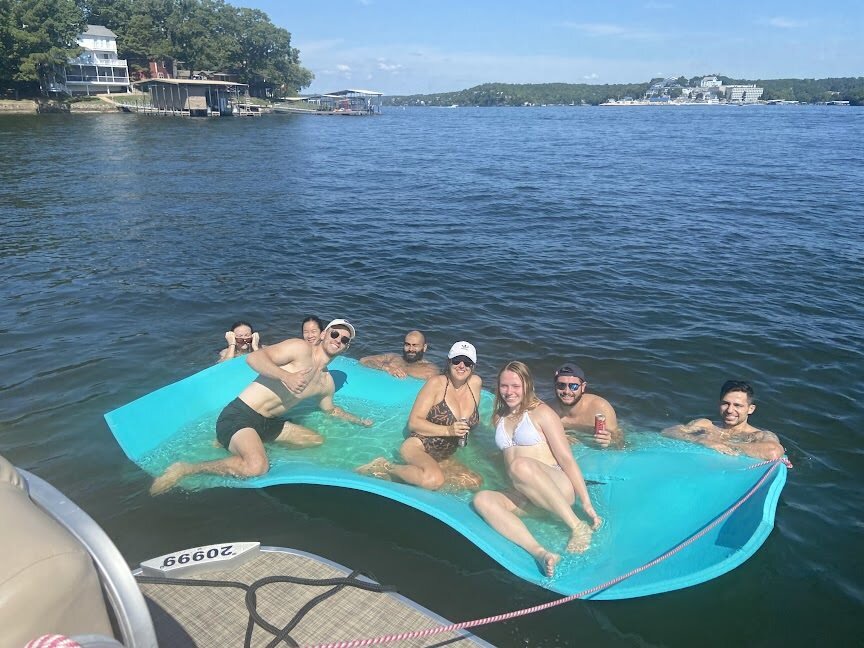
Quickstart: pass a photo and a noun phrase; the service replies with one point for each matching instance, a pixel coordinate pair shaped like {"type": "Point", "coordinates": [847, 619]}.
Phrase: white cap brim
{"type": "Point", "coordinates": [345, 323]}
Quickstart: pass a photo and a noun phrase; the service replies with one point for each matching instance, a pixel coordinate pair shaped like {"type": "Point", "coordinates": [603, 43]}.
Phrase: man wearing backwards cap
{"type": "Point", "coordinates": [288, 373]}
{"type": "Point", "coordinates": [578, 409]}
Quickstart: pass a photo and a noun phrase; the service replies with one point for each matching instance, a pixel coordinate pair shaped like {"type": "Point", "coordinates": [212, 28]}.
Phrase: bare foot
{"type": "Point", "coordinates": [169, 478]}
{"type": "Point", "coordinates": [547, 562]}
{"type": "Point", "coordinates": [580, 539]}
{"type": "Point", "coordinates": [379, 468]}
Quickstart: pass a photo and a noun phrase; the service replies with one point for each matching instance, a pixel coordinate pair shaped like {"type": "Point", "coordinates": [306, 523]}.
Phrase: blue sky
{"type": "Point", "coordinates": [410, 46]}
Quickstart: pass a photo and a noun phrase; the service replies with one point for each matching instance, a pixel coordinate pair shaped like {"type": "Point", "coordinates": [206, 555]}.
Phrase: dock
{"type": "Point", "coordinates": [192, 98]}
{"type": "Point", "coordinates": [341, 103]}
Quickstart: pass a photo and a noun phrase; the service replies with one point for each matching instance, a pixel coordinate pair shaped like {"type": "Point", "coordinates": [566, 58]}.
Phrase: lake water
{"type": "Point", "coordinates": [664, 250]}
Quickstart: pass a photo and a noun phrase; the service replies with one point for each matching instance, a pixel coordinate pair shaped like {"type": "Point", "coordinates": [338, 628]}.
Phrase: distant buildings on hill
{"type": "Point", "coordinates": [709, 90]}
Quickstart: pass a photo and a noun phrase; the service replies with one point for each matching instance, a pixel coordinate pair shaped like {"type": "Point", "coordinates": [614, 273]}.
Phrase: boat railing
{"type": "Point", "coordinates": [127, 602]}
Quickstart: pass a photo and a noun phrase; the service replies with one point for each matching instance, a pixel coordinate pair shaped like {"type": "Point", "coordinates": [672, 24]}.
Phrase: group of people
{"type": "Point", "coordinates": [288, 372]}
{"type": "Point", "coordinates": [530, 433]}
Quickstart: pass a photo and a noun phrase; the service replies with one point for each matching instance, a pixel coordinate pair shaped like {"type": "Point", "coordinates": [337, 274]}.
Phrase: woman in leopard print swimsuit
{"type": "Point", "coordinates": [445, 410]}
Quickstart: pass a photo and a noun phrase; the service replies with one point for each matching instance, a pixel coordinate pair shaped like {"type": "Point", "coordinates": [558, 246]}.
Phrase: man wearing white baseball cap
{"type": "Point", "coordinates": [288, 372]}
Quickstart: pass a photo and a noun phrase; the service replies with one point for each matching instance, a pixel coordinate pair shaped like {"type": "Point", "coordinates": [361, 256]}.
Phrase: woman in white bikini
{"type": "Point", "coordinates": [540, 465]}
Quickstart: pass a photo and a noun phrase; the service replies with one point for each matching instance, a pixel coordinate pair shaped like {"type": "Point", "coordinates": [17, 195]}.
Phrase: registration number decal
{"type": "Point", "coordinates": [198, 555]}
{"type": "Point", "coordinates": [200, 559]}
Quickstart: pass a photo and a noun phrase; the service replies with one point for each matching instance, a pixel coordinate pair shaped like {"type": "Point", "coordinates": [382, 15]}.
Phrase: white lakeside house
{"type": "Point", "coordinates": [97, 70]}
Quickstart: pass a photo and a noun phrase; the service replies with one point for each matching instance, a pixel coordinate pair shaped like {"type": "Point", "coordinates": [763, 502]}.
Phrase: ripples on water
{"type": "Point", "coordinates": [664, 250]}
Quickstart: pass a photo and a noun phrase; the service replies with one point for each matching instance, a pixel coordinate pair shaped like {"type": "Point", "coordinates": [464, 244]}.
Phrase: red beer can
{"type": "Point", "coordinates": [599, 423]}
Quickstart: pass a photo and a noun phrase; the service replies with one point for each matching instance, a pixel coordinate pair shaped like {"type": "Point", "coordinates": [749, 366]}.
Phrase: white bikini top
{"type": "Point", "coordinates": [525, 434]}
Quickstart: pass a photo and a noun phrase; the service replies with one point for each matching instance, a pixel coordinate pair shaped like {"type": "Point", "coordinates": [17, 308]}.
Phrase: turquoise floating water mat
{"type": "Point", "coordinates": [652, 495]}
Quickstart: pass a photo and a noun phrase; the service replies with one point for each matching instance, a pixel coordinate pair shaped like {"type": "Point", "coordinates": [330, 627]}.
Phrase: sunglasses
{"type": "Point", "coordinates": [243, 340]}
{"type": "Point", "coordinates": [462, 360]}
{"type": "Point", "coordinates": [562, 386]}
{"type": "Point", "coordinates": [345, 339]}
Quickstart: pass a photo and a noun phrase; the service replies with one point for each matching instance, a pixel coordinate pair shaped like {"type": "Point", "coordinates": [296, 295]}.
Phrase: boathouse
{"type": "Point", "coordinates": [195, 97]}
{"type": "Point", "coordinates": [339, 102]}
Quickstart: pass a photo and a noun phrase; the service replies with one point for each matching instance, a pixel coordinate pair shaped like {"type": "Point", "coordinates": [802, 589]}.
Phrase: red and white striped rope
{"type": "Point", "coordinates": [53, 641]}
{"type": "Point", "coordinates": [355, 643]}
{"type": "Point", "coordinates": [782, 460]}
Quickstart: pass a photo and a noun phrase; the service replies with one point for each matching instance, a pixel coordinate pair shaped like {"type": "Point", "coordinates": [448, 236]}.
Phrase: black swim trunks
{"type": "Point", "coordinates": [238, 415]}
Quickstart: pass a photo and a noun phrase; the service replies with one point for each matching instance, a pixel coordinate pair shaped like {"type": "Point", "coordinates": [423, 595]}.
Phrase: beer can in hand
{"type": "Point", "coordinates": [463, 440]}
{"type": "Point", "coordinates": [599, 423]}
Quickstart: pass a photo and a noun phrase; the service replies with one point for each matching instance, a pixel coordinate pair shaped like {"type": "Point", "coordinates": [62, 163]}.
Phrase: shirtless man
{"type": "Point", "coordinates": [410, 364]}
{"type": "Point", "coordinates": [733, 435]}
{"type": "Point", "coordinates": [577, 409]}
{"type": "Point", "coordinates": [288, 373]}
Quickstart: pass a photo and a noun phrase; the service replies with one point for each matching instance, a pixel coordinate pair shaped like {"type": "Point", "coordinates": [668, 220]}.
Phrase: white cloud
{"type": "Point", "coordinates": [384, 66]}
{"type": "Point", "coordinates": [609, 30]}
{"type": "Point", "coordinates": [449, 70]}
{"type": "Point", "coordinates": [785, 23]}
{"type": "Point", "coordinates": [597, 29]}
{"type": "Point", "coordinates": [416, 67]}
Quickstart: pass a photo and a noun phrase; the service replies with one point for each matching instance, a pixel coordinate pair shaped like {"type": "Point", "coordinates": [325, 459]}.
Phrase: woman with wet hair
{"type": "Point", "coordinates": [541, 468]}
{"type": "Point", "coordinates": [241, 339]}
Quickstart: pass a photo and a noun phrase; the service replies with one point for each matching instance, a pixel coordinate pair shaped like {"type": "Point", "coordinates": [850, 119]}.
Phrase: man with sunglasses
{"type": "Point", "coordinates": [410, 363]}
{"type": "Point", "coordinates": [732, 435]}
{"type": "Point", "coordinates": [578, 409]}
{"type": "Point", "coordinates": [288, 373]}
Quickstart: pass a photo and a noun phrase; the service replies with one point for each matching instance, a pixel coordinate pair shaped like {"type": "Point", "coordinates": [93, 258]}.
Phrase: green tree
{"type": "Point", "coordinates": [7, 42]}
{"type": "Point", "coordinates": [37, 36]}
{"type": "Point", "coordinates": [265, 52]}
{"type": "Point", "coordinates": [202, 35]}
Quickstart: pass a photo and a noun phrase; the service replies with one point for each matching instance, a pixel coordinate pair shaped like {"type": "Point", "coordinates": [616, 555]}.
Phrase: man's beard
{"type": "Point", "coordinates": [418, 356]}
{"type": "Point", "coordinates": [570, 404]}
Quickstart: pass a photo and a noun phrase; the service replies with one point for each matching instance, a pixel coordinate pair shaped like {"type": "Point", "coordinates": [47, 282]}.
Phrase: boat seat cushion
{"type": "Point", "coordinates": [48, 583]}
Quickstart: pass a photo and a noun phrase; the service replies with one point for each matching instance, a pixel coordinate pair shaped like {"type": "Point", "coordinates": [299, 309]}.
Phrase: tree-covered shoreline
{"type": "Point", "coordinates": [849, 89]}
{"type": "Point", "coordinates": [36, 35]}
